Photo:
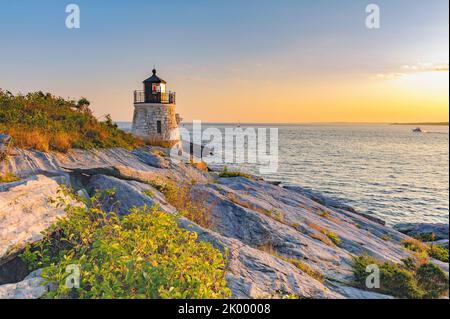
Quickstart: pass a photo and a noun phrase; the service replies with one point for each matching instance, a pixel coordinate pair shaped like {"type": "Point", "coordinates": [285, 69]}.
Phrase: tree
{"type": "Point", "coordinates": [83, 104]}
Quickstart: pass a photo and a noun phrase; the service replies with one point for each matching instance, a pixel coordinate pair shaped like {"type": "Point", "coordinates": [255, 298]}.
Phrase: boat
{"type": "Point", "coordinates": [417, 130]}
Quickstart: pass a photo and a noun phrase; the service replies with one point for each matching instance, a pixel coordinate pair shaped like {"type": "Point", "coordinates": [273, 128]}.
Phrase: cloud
{"type": "Point", "coordinates": [412, 68]}
{"type": "Point", "coordinates": [389, 76]}
{"type": "Point", "coordinates": [427, 67]}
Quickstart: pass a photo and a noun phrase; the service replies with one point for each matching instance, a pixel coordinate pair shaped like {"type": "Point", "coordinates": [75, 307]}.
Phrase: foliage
{"type": "Point", "coordinates": [424, 250]}
{"type": "Point", "coordinates": [225, 173]}
{"type": "Point", "coordinates": [425, 236]}
{"type": "Point", "coordinates": [143, 255]}
{"type": "Point", "coordinates": [275, 215]}
{"type": "Point", "coordinates": [8, 177]}
{"type": "Point", "coordinates": [438, 252]}
{"type": "Point", "coordinates": [403, 280]}
{"type": "Point", "coordinates": [323, 213]}
{"type": "Point", "coordinates": [149, 193]}
{"type": "Point", "coordinates": [333, 237]}
{"type": "Point", "coordinates": [46, 122]}
{"type": "Point", "coordinates": [433, 280]}
{"type": "Point", "coordinates": [328, 237]}
{"type": "Point", "coordinates": [414, 245]}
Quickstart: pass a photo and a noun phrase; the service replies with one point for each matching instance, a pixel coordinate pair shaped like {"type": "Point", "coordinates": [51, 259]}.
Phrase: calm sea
{"type": "Point", "coordinates": [384, 170]}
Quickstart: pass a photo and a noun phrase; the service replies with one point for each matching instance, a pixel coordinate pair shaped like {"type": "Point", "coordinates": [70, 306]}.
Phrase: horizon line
{"type": "Point", "coordinates": [443, 123]}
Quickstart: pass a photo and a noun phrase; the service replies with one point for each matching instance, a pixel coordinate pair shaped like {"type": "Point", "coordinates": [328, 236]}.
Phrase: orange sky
{"type": "Point", "coordinates": [238, 61]}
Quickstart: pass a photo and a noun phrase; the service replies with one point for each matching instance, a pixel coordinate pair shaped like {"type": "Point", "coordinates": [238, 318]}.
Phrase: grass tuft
{"type": "Point", "coordinates": [8, 177]}
{"type": "Point", "coordinates": [225, 173]}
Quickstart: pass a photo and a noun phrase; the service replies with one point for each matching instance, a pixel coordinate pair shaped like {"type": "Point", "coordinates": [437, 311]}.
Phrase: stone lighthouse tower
{"type": "Point", "coordinates": [155, 119]}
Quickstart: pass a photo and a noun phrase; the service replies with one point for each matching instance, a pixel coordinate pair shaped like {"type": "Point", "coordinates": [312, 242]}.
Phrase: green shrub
{"type": "Point", "coordinates": [403, 281]}
{"type": "Point", "coordinates": [425, 237]}
{"type": "Point", "coordinates": [439, 253]}
{"type": "Point", "coordinates": [225, 173]}
{"type": "Point", "coordinates": [143, 255]}
{"type": "Point", "coordinates": [45, 122]}
{"type": "Point", "coordinates": [426, 250]}
{"type": "Point", "coordinates": [433, 280]}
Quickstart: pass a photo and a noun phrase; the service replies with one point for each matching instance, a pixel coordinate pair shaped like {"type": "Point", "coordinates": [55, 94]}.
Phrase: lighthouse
{"type": "Point", "coordinates": [155, 119]}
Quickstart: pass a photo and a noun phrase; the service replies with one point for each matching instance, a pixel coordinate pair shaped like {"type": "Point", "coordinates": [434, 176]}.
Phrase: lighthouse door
{"type": "Point", "coordinates": [158, 127]}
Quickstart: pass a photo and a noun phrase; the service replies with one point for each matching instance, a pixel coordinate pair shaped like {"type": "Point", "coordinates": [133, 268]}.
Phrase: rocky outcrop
{"type": "Point", "coordinates": [32, 287]}
{"type": "Point", "coordinates": [5, 142]}
{"type": "Point", "coordinates": [281, 240]}
{"type": "Point", "coordinates": [252, 273]}
{"type": "Point", "coordinates": [26, 210]}
{"type": "Point", "coordinates": [330, 202]}
{"type": "Point", "coordinates": [264, 216]}
{"type": "Point", "coordinates": [423, 230]}
{"type": "Point", "coordinates": [127, 194]}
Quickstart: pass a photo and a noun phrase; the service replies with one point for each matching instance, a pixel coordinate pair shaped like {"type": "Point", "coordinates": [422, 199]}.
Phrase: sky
{"type": "Point", "coordinates": [245, 61]}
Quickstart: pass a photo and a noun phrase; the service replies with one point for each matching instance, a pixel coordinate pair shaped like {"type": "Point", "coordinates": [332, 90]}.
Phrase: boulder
{"type": "Point", "coordinates": [5, 142]}
{"type": "Point", "coordinates": [25, 212]}
{"type": "Point", "coordinates": [286, 223]}
{"type": "Point", "coordinates": [424, 230]}
{"type": "Point", "coordinates": [127, 194]}
{"type": "Point", "coordinates": [32, 287]}
{"type": "Point", "coordinates": [152, 159]}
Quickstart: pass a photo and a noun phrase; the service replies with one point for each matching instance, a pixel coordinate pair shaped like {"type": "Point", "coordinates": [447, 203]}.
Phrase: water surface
{"type": "Point", "coordinates": [383, 170]}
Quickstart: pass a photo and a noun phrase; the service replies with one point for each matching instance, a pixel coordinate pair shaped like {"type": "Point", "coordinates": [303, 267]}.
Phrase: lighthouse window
{"type": "Point", "coordinates": [158, 127]}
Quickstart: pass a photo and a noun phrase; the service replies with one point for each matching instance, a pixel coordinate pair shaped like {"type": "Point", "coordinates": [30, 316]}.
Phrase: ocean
{"type": "Point", "coordinates": [382, 170]}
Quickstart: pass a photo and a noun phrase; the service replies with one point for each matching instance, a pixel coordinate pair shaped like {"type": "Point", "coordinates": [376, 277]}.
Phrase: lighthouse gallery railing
{"type": "Point", "coordinates": [154, 97]}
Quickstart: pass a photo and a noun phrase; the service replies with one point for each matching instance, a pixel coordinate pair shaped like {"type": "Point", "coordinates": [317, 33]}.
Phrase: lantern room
{"type": "Point", "coordinates": [154, 84]}
{"type": "Point", "coordinates": [155, 91]}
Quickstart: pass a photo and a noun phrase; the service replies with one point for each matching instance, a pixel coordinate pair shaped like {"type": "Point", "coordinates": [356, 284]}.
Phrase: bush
{"type": "Point", "coordinates": [229, 174]}
{"type": "Point", "coordinates": [439, 253]}
{"type": "Point", "coordinates": [433, 280]}
{"type": "Point", "coordinates": [45, 122]}
{"type": "Point", "coordinates": [404, 281]}
{"type": "Point", "coordinates": [424, 251]}
{"type": "Point", "coordinates": [144, 255]}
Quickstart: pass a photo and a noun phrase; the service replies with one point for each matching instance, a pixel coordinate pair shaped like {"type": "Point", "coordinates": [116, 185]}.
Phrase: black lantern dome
{"type": "Point", "coordinates": [154, 78]}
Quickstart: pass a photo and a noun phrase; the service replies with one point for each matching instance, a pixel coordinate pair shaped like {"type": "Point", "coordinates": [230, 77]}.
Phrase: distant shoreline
{"type": "Point", "coordinates": [424, 123]}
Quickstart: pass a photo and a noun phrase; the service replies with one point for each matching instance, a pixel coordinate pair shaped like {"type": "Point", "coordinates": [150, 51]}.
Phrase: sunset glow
{"type": "Point", "coordinates": [316, 66]}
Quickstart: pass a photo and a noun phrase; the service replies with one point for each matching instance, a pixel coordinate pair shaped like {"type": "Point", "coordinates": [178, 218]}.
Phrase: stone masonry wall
{"type": "Point", "coordinates": [145, 120]}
